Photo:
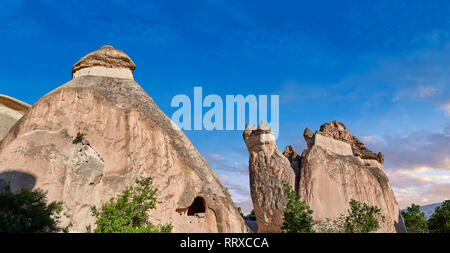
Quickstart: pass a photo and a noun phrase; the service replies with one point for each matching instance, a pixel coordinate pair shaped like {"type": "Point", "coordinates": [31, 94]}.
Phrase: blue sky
{"type": "Point", "coordinates": [380, 67]}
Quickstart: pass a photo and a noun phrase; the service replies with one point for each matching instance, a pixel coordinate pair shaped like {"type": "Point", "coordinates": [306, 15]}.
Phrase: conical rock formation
{"type": "Point", "coordinates": [126, 136]}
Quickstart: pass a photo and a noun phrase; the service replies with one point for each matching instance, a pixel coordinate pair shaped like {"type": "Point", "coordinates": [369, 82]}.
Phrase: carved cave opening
{"type": "Point", "coordinates": [198, 206]}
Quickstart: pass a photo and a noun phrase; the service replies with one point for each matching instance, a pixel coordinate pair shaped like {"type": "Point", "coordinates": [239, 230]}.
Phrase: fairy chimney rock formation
{"type": "Point", "coordinates": [335, 168]}
{"type": "Point", "coordinates": [11, 110]}
{"type": "Point", "coordinates": [126, 136]}
{"type": "Point", "coordinates": [269, 170]}
{"type": "Point", "coordinates": [107, 62]}
{"type": "Point", "coordinates": [335, 137]}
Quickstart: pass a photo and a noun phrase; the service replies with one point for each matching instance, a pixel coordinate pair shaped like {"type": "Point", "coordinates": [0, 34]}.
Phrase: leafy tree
{"type": "Point", "coordinates": [361, 218]}
{"type": "Point", "coordinates": [251, 215]}
{"type": "Point", "coordinates": [440, 220]}
{"type": "Point", "coordinates": [415, 220]}
{"type": "Point", "coordinates": [28, 212]}
{"type": "Point", "coordinates": [128, 212]}
{"type": "Point", "coordinates": [297, 216]}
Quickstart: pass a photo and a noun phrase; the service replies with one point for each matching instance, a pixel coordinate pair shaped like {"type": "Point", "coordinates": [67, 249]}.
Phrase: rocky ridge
{"type": "Point", "coordinates": [334, 168]}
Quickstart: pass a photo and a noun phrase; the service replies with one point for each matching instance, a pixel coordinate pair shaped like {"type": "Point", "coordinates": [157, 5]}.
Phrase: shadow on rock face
{"type": "Point", "coordinates": [18, 180]}
{"type": "Point", "coordinates": [252, 225]}
{"type": "Point", "coordinates": [400, 225]}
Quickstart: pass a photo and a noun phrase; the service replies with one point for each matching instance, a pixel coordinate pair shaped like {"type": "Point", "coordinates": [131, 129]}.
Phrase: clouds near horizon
{"type": "Point", "coordinates": [418, 165]}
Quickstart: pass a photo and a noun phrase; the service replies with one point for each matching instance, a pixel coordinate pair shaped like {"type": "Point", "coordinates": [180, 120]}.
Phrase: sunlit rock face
{"type": "Point", "coordinates": [334, 168]}
{"type": "Point", "coordinates": [126, 136]}
{"type": "Point", "coordinates": [106, 61]}
{"type": "Point", "coordinates": [268, 170]}
{"type": "Point", "coordinates": [11, 110]}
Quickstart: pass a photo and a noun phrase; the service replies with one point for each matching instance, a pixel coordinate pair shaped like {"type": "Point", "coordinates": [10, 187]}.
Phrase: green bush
{"type": "Point", "coordinates": [297, 216]}
{"type": "Point", "coordinates": [28, 212]}
{"type": "Point", "coordinates": [361, 218]}
{"type": "Point", "coordinates": [415, 220]}
{"type": "Point", "coordinates": [128, 212]}
{"type": "Point", "coordinates": [440, 220]}
{"type": "Point", "coordinates": [78, 139]}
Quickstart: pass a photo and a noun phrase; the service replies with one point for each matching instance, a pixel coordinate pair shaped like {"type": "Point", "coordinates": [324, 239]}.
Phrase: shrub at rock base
{"type": "Point", "coordinates": [297, 216]}
{"type": "Point", "coordinates": [127, 213]}
{"type": "Point", "coordinates": [28, 212]}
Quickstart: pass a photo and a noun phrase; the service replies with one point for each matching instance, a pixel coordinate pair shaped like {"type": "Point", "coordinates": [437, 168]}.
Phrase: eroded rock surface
{"type": "Point", "coordinates": [328, 181]}
{"type": "Point", "coordinates": [106, 61]}
{"type": "Point", "coordinates": [335, 168]}
{"type": "Point", "coordinates": [11, 110]}
{"type": "Point", "coordinates": [269, 170]}
{"type": "Point", "coordinates": [51, 162]}
{"type": "Point", "coordinates": [337, 131]}
{"type": "Point", "coordinates": [126, 137]}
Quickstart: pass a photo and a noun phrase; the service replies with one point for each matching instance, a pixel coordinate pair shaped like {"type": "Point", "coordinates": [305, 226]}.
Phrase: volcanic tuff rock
{"type": "Point", "coordinates": [269, 170]}
{"type": "Point", "coordinates": [294, 158]}
{"type": "Point", "coordinates": [296, 162]}
{"type": "Point", "coordinates": [335, 168]}
{"type": "Point", "coordinates": [336, 130]}
{"type": "Point", "coordinates": [126, 136]}
{"type": "Point", "coordinates": [11, 110]}
{"type": "Point", "coordinates": [106, 61]}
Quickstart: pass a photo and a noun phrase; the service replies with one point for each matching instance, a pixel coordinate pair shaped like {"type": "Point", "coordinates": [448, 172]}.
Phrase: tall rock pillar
{"type": "Point", "coordinates": [269, 170]}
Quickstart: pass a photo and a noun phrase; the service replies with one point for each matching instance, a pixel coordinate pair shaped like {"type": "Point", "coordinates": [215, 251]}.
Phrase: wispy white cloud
{"type": "Point", "coordinates": [418, 165]}
{"type": "Point", "coordinates": [420, 186]}
{"type": "Point", "coordinates": [224, 176]}
{"type": "Point", "coordinates": [214, 157]}
{"type": "Point", "coordinates": [423, 91]}
{"type": "Point", "coordinates": [245, 205]}
{"type": "Point", "coordinates": [234, 175]}
{"type": "Point", "coordinates": [420, 76]}
{"type": "Point", "coordinates": [372, 139]}
{"type": "Point", "coordinates": [445, 108]}
{"type": "Point", "coordinates": [416, 150]}
{"type": "Point", "coordinates": [240, 194]}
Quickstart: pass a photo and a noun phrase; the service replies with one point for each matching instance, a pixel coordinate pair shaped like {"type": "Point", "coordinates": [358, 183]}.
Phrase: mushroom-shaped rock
{"type": "Point", "coordinates": [106, 61]}
{"type": "Point", "coordinates": [308, 135]}
{"type": "Point", "coordinates": [269, 170]}
{"type": "Point", "coordinates": [380, 157]}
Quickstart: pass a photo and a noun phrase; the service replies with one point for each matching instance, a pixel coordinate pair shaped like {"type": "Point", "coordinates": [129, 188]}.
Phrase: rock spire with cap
{"type": "Point", "coordinates": [106, 61]}
{"type": "Point", "coordinates": [125, 137]}
{"type": "Point", "coordinates": [269, 170]}
{"type": "Point", "coordinates": [334, 168]}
